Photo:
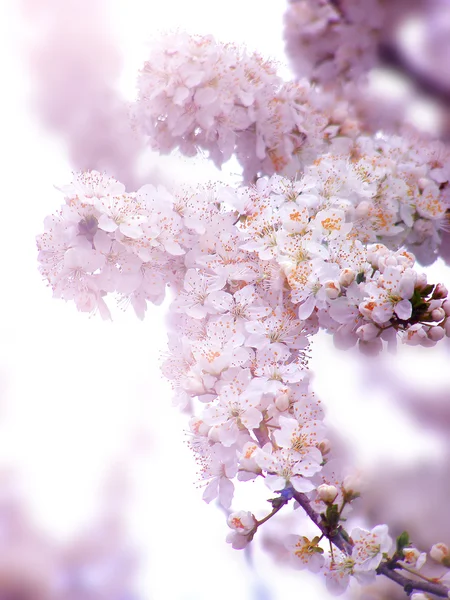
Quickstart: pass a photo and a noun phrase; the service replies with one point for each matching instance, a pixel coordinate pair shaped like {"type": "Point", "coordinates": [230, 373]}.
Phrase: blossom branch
{"type": "Point", "coordinates": [409, 585]}
{"type": "Point", "coordinates": [335, 536]}
{"type": "Point", "coordinates": [340, 539]}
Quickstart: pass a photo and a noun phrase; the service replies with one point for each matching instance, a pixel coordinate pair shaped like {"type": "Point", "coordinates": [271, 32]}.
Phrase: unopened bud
{"type": "Point", "coordinates": [440, 291]}
{"type": "Point", "coordinates": [446, 307]}
{"type": "Point", "coordinates": [447, 327]}
{"type": "Point", "coordinates": [347, 277]}
{"type": "Point", "coordinates": [282, 402]}
{"type": "Point", "coordinates": [332, 290]}
{"type": "Point", "coordinates": [362, 210]}
{"type": "Point", "coordinates": [327, 493]}
{"type": "Point", "coordinates": [423, 182]}
{"type": "Point", "coordinates": [436, 334]}
{"type": "Point", "coordinates": [438, 314]}
{"type": "Point", "coordinates": [439, 552]}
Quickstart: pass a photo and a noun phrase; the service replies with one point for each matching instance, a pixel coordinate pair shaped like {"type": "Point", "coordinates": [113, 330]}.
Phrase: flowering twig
{"type": "Point", "coordinates": [341, 540]}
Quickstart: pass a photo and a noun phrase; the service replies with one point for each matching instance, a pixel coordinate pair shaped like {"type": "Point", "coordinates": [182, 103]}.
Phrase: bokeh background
{"type": "Point", "coordinates": [97, 485]}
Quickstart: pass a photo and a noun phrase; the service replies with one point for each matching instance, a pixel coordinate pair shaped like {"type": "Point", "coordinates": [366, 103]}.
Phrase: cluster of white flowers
{"type": "Point", "coordinates": [281, 255]}
{"type": "Point", "coordinates": [195, 93]}
{"type": "Point", "coordinates": [256, 271]}
{"type": "Point", "coordinates": [396, 190]}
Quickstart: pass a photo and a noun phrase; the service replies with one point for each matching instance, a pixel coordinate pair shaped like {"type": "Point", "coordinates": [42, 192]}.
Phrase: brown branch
{"type": "Point", "coordinates": [410, 585]}
{"type": "Point", "coordinates": [391, 56]}
{"type": "Point", "coordinates": [335, 537]}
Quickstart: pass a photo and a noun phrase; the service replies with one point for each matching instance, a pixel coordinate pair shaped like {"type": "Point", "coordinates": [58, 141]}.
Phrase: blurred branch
{"type": "Point", "coordinates": [391, 56]}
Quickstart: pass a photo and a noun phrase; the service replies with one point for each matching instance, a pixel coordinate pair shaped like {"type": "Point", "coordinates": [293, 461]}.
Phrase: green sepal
{"type": "Point", "coordinates": [402, 542]}
{"type": "Point", "coordinates": [427, 290]}
{"type": "Point", "coordinates": [332, 516]}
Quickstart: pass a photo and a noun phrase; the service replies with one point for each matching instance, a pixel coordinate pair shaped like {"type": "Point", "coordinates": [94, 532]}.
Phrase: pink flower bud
{"type": "Point", "coordinates": [423, 182]}
{"type": "Point", "coordinates": [347, 277]}
{"type": "Point", "coordinates": [438, 314]}
{"type": "Point", "coordinates": [327, 493]}
{"type": "Point", "coordinates": [362, 210]}
{"type": "Point", "coordinates": [436, 334]}
{"type": "Point", "coordinates": [446, 307]}
{"type": "Point", "coordinates": [332, 290]}
{"type": "Point", "coordinates": [447, 327]}
{"type": "Point", "coordinates": [439, 552]}
{"type": "Point", "coordinates": [440, 291]}
{"type": "Point", "coordinates": [282, 402]}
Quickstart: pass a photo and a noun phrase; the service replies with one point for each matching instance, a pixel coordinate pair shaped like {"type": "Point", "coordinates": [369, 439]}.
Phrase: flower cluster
{"type": "Point", "coordinates": [257, 270]}
{"type": "Point", "coordinates": [105, 240]}
{"type": "Point", "coordinates": [329, 41]}
{"type": "Point", "coordinates": [396, 190]}
{"type": "Point", "coordinates": [197, 94]}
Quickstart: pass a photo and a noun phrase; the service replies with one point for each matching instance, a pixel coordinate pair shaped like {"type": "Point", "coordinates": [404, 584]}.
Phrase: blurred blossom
{"type": "Point", "coordinates": [98, 563]}
{"type": "Point", "coordinates": [75, 66]}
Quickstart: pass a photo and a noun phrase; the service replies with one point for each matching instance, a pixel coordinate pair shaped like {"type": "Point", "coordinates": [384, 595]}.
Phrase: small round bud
{"type": "Point", "coordinates": [436, 334]}
{"type": "Point", "coordinates": [439, 552]}
{"type": "Point", "coordinates": [327, 493]}
{"type": "Point", "coordinates": [447, 327]}
{"type": "Point", "coordinates": [362, 210]}
{"type": "Point", "coordinates": [423, 182]}
{"type": "Point", "coordinates": [282, 402]}
{"type": "Point", "coordinates": [440, 291]}
{"type": "Point", "coordinates": [438, 314]}
{"type": "Point", "coordinates": [446, 307]}
{"type": "Point", "coordinates": [347, 277]}
{"type": "Point", "coordinates": [332, 290]}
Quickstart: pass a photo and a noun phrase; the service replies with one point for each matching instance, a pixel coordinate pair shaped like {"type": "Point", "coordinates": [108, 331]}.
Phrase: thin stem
{"type": "Point", "coordinates": [416, 573]}
{"type": "Point", "coordinates": [270, 515]}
